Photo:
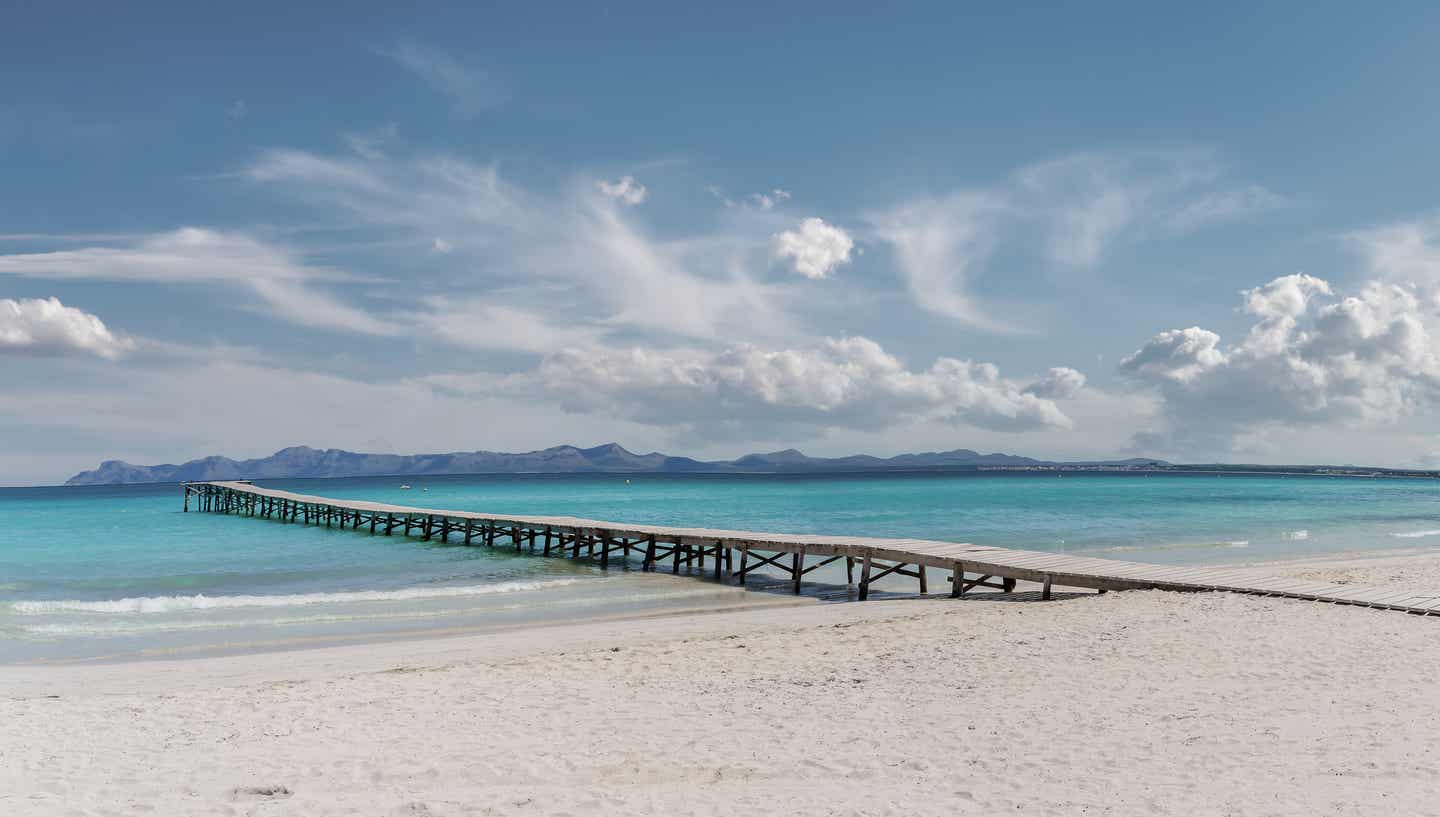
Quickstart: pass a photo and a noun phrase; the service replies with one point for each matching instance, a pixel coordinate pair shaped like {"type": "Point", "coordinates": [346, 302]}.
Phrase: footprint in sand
{"type": "Point", "coordinates": [260, 793]}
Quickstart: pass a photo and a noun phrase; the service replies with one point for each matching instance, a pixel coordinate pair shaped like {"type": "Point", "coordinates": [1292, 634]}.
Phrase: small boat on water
{"type": "Point", "coordinates": [404, 487]}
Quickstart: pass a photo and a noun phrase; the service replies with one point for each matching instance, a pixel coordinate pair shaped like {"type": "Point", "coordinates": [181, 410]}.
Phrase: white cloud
{"type": "Point", "coordinates": [816, 249]}
{"type": "Point", "coordinates": [1075, 209]}
{"type": "Point", "coordinates": [44, 326]}
{"type": "Point", "coordinates": [1402, 251]}
{"type": "Point", "coordinates": [758, 201]}
{"type": "Point", "coordinates": [470, 90]}
{"type": "Point", "coordinates": [750, 392]}
{"type": "Point", "coordinates": [371, 143]}
{"type": "Point", "coordinates": [476, 323]}
{"type": "Point", "coordinates": [1311, 358]}
{"type": "Point", "coordinates": [1179, 355]}
{"type": "Point", "coordinates": [767, 201]}
{"type": "Point", "coordinates": [193, 255]}
{"type": "Point", "coordinates": [626, 190]}
{"type": "Point", "coordinates": [1224, 205]}
{"type": "Point", "coordinates": [938, 244]}
{"type": "Point", "coordinates": [1060, 383]}
{"type": "Point", "coordinates": [573, 249]}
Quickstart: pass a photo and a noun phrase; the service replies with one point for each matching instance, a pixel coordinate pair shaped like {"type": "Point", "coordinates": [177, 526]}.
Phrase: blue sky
{"type": "Point", "coordinates": [1197, 233]}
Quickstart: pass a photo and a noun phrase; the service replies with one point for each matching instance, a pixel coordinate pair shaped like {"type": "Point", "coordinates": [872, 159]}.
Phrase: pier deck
{"type": "Point", "coordinates": [965, 566]}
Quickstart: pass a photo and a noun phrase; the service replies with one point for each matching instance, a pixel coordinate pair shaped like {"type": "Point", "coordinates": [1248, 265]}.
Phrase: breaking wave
{"type": "Point", "coordinates": [1233, 543]}
{"type": "Point", "coordinates": [171, 604]}
{"type": "Point", "coordinates": [1416, 534]}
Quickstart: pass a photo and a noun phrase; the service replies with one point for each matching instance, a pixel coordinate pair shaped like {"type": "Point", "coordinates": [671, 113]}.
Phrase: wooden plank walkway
{"type": "Point", "coordinates": [966, 566]}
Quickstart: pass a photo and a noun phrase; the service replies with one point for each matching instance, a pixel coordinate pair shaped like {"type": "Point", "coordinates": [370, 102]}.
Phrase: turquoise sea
{"type": "Point", "coordinates": [120, 572]}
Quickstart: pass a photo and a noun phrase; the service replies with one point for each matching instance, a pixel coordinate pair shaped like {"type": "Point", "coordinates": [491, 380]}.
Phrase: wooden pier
{"type": "Point", "coordinates": [733, 555]}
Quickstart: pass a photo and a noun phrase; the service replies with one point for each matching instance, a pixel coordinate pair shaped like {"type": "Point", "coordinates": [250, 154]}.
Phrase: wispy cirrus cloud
{"type": "Point", "coordinates": [285, 286]}
{"type": "Point", "coordinates": [1064, 213]}
{"type": "Point", "coordinates": [577, 248]}
{"type": "Point", "coordinates": [625, 190]}
{"type": "Point", "coordinates": [1404, 250]}
{"type": "Point", "coordinates": [471, 90]}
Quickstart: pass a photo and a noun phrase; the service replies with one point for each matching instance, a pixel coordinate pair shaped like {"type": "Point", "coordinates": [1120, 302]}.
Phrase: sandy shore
{"type": "Point", "coordinates": [1127, 703]}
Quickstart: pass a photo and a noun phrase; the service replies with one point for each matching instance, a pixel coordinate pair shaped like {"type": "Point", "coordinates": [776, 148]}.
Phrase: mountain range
{"type": "Point", "coordinates": [303, 461]}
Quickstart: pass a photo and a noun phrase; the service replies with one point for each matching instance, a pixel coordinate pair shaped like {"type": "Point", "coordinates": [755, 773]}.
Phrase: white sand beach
{"type": "Point", "coordinates": [1137, 703]}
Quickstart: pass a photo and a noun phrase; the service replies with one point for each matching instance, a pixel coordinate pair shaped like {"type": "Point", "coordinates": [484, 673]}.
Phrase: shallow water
{"type": "Point", "coordinates": [120, 571]}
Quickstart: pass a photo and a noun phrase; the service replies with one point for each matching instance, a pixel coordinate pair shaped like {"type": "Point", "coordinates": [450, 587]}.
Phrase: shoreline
{"type": "Point", "coordinates": [1406, 567]}
{"type": "Point", "coordinates": [764, 593]}
{"type": "Point", "coordinates": [1129, 703]}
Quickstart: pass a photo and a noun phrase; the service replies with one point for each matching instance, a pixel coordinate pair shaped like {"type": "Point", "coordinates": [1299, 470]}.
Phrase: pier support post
{"type": "Point", "coordinates": [604, 551]}
{"type": "Point", "coordinates": [744, 562]}
{"type": "Point", "coordinates": [719, 563]}
{"type": "Point", "coordinates": [924, 582]}
{"type": "Point", "coordinates": [1045, 593]}
{"type": "Point", "coordinates": [957, 577]}
{"type": "Point", "coordinates": [865, 578]}
{"type": "Point", "coordinates": [649, 563]}
{"type": "Point", "coordinates": [546, 551]}
{"type": "Point", "coordinates": [797, 569]}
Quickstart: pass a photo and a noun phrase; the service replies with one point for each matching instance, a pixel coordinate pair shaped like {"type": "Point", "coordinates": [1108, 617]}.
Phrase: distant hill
{"type": "Point", "coordinates": [303, 461]}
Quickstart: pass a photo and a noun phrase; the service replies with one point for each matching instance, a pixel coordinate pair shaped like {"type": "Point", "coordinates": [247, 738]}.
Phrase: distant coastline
{"type": "Point", "coordinates": [305, 462]}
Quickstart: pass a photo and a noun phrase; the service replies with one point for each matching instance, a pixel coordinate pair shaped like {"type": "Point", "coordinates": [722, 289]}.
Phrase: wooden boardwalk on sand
{"type": "Point", "coordinates": [735, 554]}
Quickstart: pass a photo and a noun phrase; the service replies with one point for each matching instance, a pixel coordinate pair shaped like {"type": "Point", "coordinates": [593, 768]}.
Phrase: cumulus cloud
{"type": "Point", "coordinates": [1178, 355]}
{"type": "Point", "coordinates": [626, 190]}
{"type": "Point", "coordinates": [815, 249]}
{"type": "Point", "coordinates": [1311, 357]}
{"type": "Point", "coordinates": [284, 284]}
{"type": "Point", "coordinates": [1060, 383]}
{"type": "Point", "coordinates": [44, 326]}
{"type": "Point", "coordinates": [748, 391]}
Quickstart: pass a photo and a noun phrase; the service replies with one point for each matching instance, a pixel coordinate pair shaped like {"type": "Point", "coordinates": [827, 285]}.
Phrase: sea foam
{"type": "Point", "coordinates": [171, 604]}
{"type": "Point", "coordinates": [1416, 534]}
